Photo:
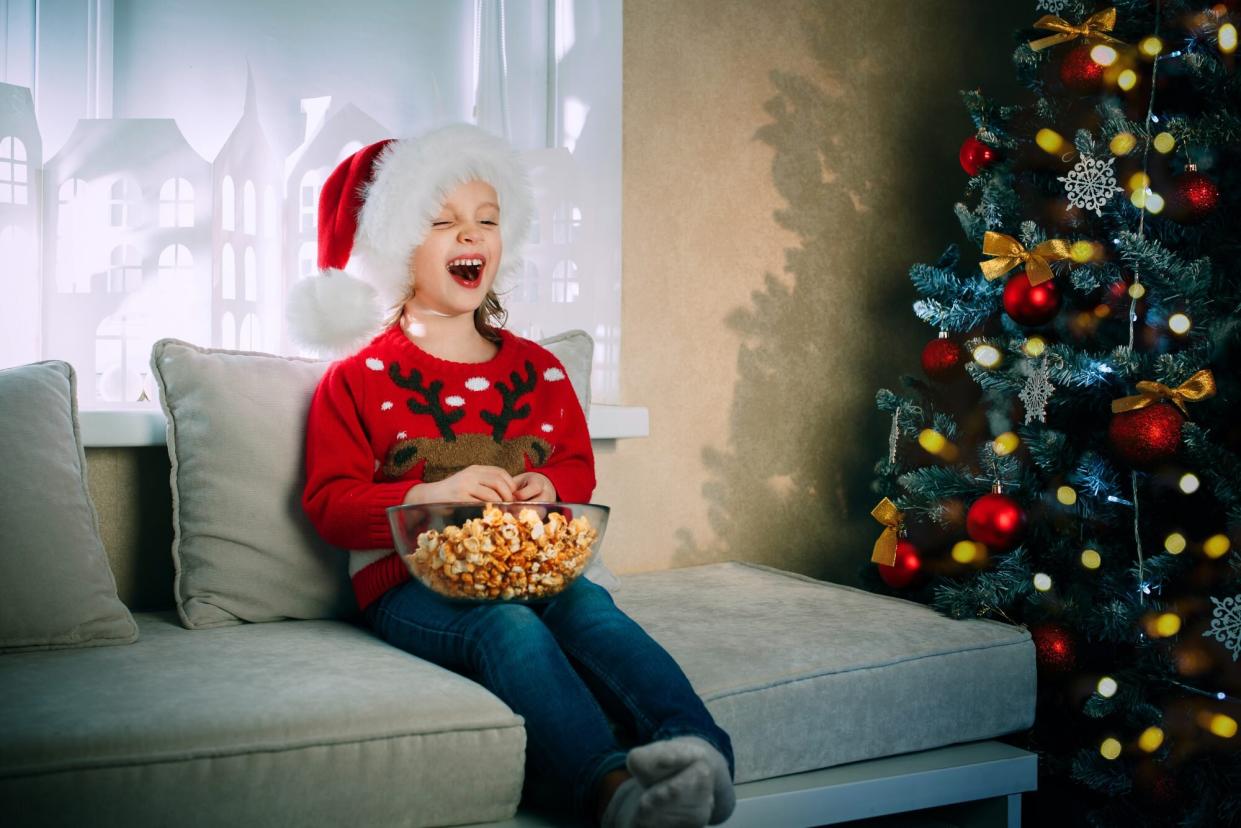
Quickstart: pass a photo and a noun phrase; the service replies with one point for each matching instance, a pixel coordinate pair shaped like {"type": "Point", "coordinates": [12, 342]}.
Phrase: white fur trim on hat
{"type": "Point", "coordinates": [333, 312]}
{"type": "Point", "coordinates": [412, 180]}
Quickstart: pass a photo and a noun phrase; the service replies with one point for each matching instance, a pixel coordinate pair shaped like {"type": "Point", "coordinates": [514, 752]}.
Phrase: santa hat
{"type": "Point", "coordinates": [376, 207]}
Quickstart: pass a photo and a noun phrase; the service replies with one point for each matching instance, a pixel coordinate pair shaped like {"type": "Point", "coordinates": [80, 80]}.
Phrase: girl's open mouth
{"type": "Point", "coordinates": [467, 270]}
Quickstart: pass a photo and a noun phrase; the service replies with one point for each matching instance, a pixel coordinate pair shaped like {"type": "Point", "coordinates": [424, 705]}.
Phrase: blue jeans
{"type": "Point", "coordinates": [565, 665]}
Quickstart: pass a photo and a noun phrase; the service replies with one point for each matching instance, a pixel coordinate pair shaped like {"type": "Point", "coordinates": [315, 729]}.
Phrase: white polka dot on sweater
{"type": "Point", "coordinates": [478, 383]}
{"type": "Point", "coordinates": [454, 401]}
{"type": "Point", "coordinates": [553, 374]}
{"type": "Point", "coordinates": [547, 427]}
{"type": "Point", "coordinates": [401, 435]}
{"type": "Point", "coordinates": [387, 405]}
{"type": "Point", "coordinates": [374, 364]}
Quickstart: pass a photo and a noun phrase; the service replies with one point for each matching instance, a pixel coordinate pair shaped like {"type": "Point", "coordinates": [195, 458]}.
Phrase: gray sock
{"type": "Point", "coordinates": [657, 761]}
{"type": "Point", "coordinates": [622, 811]}
{"type": "Point", "coordinates": [682, 800]}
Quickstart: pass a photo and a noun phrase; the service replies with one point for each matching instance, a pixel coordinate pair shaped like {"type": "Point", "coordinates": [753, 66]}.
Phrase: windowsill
{"type": "Point", "coordinates": [148, 428]}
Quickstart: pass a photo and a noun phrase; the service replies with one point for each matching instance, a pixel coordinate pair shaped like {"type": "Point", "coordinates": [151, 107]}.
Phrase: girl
{"type": "Point", "coordinates": [444, 405]}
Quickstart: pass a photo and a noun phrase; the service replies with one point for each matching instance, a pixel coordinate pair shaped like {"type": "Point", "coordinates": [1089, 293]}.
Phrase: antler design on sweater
{"type": "Point", "coordinates": [431, 395]}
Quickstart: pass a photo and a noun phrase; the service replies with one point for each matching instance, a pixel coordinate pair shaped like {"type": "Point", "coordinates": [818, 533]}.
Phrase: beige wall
{"type": "Point", "coordinates": [784, 164]}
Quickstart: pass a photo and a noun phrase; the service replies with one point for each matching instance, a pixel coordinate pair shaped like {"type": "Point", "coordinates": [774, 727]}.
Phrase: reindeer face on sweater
{"type": "Point", "coordinates": [451, 452]}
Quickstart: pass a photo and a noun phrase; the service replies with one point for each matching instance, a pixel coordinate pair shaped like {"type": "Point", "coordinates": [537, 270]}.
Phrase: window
{"type": "Point", "coordinates": [249, 209]}
{"type": "Point", "coordinates": [308, 220]}
{"type": "Point", "coordinates": [564, 282]}
{"type": "Point", "coordinates": [250, 339]}
{"type": "Point", "coordinates": [124, 270]}
{"type": "Point", "coordinates": [176, 203]}
{"type": "Point", "coordinates": [228, 272]}
{"type": "Point", "coordinates": [528, 289]}
{"type": "Point", "coordinates": [121, 357]}
{"type": "Point", "coordinates": [252, 276]}
{"type": "Point", "coordinates": [565, 223]}
{"type": "Point", "coordinates": [175, 262]}
{"type": "Point", "coordinates": [228, 331]}
{"type": "Point", "coordinates": [307, 259]}
{"type": "Point", "coordinates": [14, 172]}
{"type": "Point", "coordinates": [123, 201]}
{"type": "Point", "coordinates": [228, 204]}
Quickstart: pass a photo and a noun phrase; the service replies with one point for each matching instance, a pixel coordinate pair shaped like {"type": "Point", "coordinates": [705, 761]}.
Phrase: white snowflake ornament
{"type": "Point", "coordinates": [1091, 183]}
{"type": "Point", "coordinates": [1226, 624]}
{"type": "Point", "coordinates": [1037, 393]}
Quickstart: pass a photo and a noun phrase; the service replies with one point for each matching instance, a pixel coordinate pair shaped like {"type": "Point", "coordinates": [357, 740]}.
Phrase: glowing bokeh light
{"type": "Point", "coordinates": [1091, 559]}
{"type": "Point", "coordinates": [1189, 483]}
{"type": "Point", "coordinates": [1103, 55]}
{"type": "Point", "coordinates": [1042, 581]}
{"type": "Point", "coordinates": [1006, 443]}
{"type": "Point", "coordinates": [1110, 748]}
{"type": "Point", "coordinates": [1216, 546]}
{"type": "Point", "coordinates": [1107, 687]}
{"type": "Point", "coordinates": [988, 356]}
{"type": "Point", "coordinates": [1049, 141]}
{"type": "Point", "coordinates": [1034, 346]}
{"type": "Point", "coordinates": [1137, 290]}
{"type": "Point", "coordinates": [1067, 495]}
{"type": "Point", "coordinates": [1174, 543]}
{"type": "Point", "coordinates": [1122, 143]}
{"type": "Point", "coordinates": [1151, 46]}
{"type": "Point", "coordinates": [1179, 323]}
{"type": "Point", "coordinates": [1127, 79]}
{"type": "Point", "coordinates": [1151, 739]}
{"type": "Point", "coordinates": [1227, 38]}
{"type": "Point", "coordinates": [1165, 142]}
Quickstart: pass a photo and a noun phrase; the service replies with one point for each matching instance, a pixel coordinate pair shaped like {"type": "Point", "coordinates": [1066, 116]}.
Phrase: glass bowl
{"type": "Point", "coordinates": [498, 551]}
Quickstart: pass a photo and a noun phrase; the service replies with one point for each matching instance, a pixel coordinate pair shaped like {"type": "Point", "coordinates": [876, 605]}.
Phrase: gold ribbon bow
{"type": "Point", "coordinates": [1009, 253]}
{"type": "Point", "coordinates": [1092, 28]}
{"type": "Point", "coordinates": [1198, 387]}
{"type": "Point", "coordinates": [891, 517]}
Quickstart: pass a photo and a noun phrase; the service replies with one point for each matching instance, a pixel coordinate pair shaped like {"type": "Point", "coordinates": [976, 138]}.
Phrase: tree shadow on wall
{"type": "Point", "coordinates": [792, 486]}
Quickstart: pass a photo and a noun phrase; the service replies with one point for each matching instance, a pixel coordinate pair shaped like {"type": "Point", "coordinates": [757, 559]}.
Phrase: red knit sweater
{"type": "Point", "coordinates": [392, 415]}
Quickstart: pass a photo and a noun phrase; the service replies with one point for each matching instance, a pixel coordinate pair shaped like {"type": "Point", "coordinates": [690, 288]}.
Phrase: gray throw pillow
{"type": "Point", "coordinates": [242, 548]}
{"type": "Point", "coordinates": [56, 590]}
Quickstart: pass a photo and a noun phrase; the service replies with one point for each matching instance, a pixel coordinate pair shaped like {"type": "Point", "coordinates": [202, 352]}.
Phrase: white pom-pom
{"type": "Point", "coordinates": [477, 384]}
{"type": "Point", "coordinates": [333, 312]}
{"type": "Point", "coordinates": [553, 375]}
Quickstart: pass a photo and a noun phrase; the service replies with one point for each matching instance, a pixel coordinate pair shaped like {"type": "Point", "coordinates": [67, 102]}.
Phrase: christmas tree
{"type": "Point", "coordinates": [1071, 461]}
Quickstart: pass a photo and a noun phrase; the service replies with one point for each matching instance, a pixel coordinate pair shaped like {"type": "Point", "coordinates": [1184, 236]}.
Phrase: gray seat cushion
{"type": "Point", "coordinates": [300, 722]}
{"type": "Point", "coordinates": [805, 674]}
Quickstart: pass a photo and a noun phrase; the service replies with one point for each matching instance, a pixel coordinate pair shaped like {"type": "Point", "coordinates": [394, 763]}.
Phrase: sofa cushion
{"type": "Point", "coordinates": [805, 674]}
{"type": "Point", "coordinates": [242, 548]}
{"type": "Point", "coordinates": [297, 723]}
{"type": "Point", "coordinates": [56, 589]}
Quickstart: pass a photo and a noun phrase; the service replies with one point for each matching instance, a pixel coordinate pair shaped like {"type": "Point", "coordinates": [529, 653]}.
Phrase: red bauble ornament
{"type": "Point", "coordinates": [1029, 304]}
{"type": "Point", "coordinates": [975, 156]}
{"type": "Point", "coordinates": [943, 360]}
{"type": "Point", "coordinates": [1146, 436]}
{"type": "Point", "coordinates": [1079, 72]}
{"type": "Point", "coordinates": [995, 520]}
{"type": "Point", "coordinates": [1053, 648]}
{"type": "Point", "coordinates": [1194, 197]}
{"type": "Point", "coordinates": [904, 569]}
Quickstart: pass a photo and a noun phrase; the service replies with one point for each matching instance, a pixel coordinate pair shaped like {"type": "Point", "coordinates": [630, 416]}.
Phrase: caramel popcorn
{"type": "Point", "coordinates": [502, 556]}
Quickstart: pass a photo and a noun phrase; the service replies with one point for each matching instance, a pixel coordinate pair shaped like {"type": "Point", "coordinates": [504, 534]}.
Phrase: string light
{"type": "Point", "coordinates": [932, 440]}
{"type": "Point", "coordinates": [1189, 483]}
{"type": "Point", "coordinates": [1122, 143]}
{"type": "Point", "coordinates": [1091, 559]}
{"type": "Point", "coordinates": [1103, 55]}
{"type": "Point", "coordinates": [1174, 543]}
{"type": "Point", "coordinates": [1220, 724]}
{"type": "Point", "coordinates": [1165, 142]}
{"type": "Point", "coordinates": [1066, 495]}
{"type": "Point", "coordinates": [1042, 581]}
{"type": "Point", "coordinates": [966, 551]}
{"type": "Point", "coordinates": [1153, 202]}
{"type": "Point", "coordinates": [1216, 546]}
{"type": "Point", "coordinates": [1034, 346]}
{"type": "Point", "coordinates": [1006, 444]}
{"type": "Point", "coordinates": [1110, 748]}
{"type": "Point", "coordinates": [1049, 141]}
{"type": "Point", "coordinates": [1139, 181]}
{"type": "Point", "coordinates": [1151, 739]}
{"type": "Point", "coordinates": [1127, 79]}
{"type": "Point", "coordinates": [988, 356]}
{"type": "Point", "coordinates": [1151, 46]}
{"type": "Point", "coordinates": [1107, 687]}
{"type": "Point", "coordinates": [1164, 625]}
{"type": "Point", "coordinates": [1137, 290]}
{"type": "Point", "coordinates": [1227, 38]}
{"type": "Point", "coordinates": [1179, 323]}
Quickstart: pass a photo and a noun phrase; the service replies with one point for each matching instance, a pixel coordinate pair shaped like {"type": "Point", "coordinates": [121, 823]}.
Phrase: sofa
{"type": "Point", "coordinates": [230, 682]}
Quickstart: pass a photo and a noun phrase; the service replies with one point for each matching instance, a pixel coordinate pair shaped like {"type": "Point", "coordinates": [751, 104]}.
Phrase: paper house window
{"type": "Point", "coordinates": [308, 219]}
{"type": "Point", "coordinates": [176, 203]}
{"type": "Point", "coordinates": [251, 275]}
{"type": "Point", "coordinates": [249, 209]}
{"type": "Point", "coordinates": [249, 339]}
{"type": "Point", "coordinates": [124, 200]}
{"type": "Point", "coordinates": [175, 262]}
{"type": "Point", "coordinates": [228, 330]}
{"type": "Point", "coordinates": [14, 172]}
{"type": "Point", "coordinates": [565, 223]}
{"type": "Point", "coordinates": [228, 204]}
{"type": "Point", "coordinates": [565, 284]}
{"type": "Point", "coordinates": [228, 272]}
{"type": "Point", "coordinates": [120, 360]}
{"type": "Point", "coordinates": [124, 270]}
{"type": "Point", "coordinates": [528, 287]}
{"type": "Point", "coordinates": [307, 259]}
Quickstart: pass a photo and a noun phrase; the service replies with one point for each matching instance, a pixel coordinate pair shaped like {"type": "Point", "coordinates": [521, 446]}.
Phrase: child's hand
{"type": "Point", "coordinates": [533, 486]}
{"type": "Point", "coordinates": [482, 484]}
